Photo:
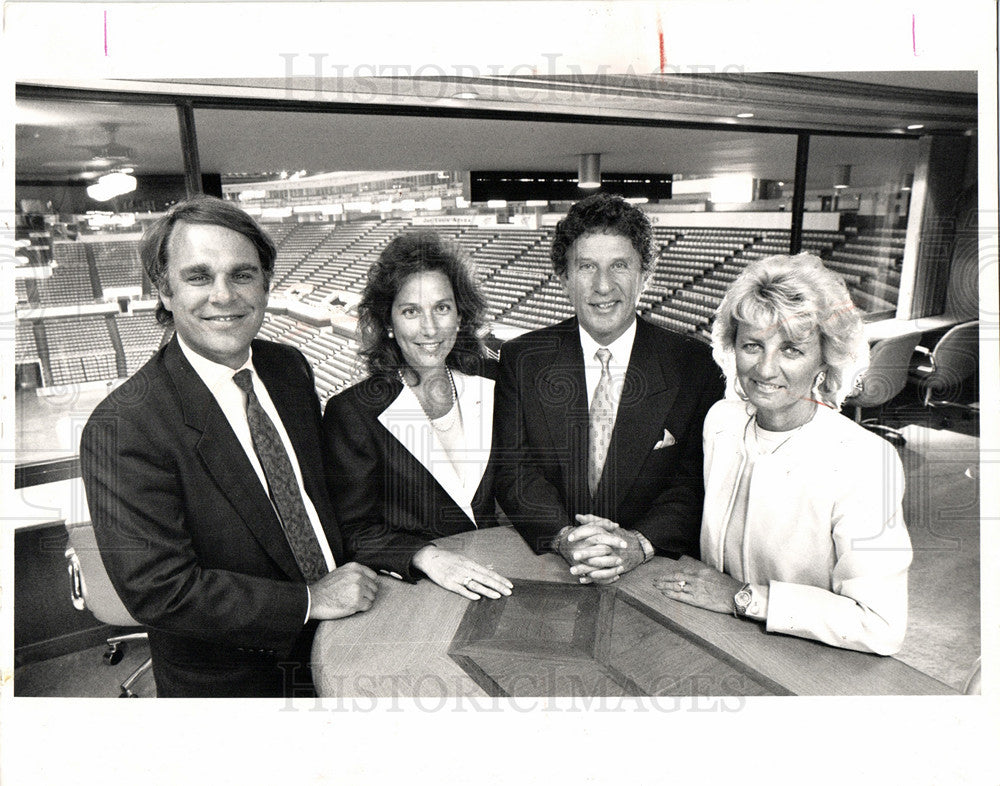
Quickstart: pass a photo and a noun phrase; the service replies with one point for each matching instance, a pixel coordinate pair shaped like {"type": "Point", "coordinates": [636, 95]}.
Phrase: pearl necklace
{"type": "Point", "coordinates": [452, 416]}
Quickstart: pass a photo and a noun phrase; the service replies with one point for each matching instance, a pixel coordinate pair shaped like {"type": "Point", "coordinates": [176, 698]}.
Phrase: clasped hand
{"type": "Point", "coordinates": [342, 592]}
{"type": "Point", "coordinates": [599, 551]}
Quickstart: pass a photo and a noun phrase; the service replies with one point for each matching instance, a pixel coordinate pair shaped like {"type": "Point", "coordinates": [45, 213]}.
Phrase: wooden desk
{"type": "Point", "coordinates": [638, 642]}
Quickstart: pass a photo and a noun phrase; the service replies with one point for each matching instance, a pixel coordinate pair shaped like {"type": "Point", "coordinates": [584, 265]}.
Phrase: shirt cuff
{"type": "Point", "coordinates": [648, 549]}
{"type": "Point", "coordinates": [309, 603]}
{"type": "Point", "coordinates": [757, 610]}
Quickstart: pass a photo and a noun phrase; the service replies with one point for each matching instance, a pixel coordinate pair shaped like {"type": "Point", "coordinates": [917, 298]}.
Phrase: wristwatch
{"type": "Point", "coordinates": [742, 600]}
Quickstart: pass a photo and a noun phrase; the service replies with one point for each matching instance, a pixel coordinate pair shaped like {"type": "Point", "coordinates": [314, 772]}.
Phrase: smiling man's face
{"type": "Point", "coordinates": [216, 290]}
{"type": "Point", "coordinates": [603, 281]}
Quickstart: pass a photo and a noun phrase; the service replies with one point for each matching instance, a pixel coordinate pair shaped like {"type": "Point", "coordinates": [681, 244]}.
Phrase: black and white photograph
{"type": "Point", "coordinates": [499, 392]}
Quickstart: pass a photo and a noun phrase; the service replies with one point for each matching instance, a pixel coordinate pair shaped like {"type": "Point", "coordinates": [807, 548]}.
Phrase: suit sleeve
{"type": "Point", "coordinates": [672, 522]}
{"type": "Point", "coordinates": [865, 608]}
{"type": "Point", "coordinates": [136, 494]}
{"type": "Point", "coordinates": [533, 505]}
{"type": "Point", "coordinates": [364, 494]}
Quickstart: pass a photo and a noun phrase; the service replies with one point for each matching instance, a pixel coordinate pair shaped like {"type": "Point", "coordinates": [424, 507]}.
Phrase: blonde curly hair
{"type": "Point", "coordinates": [801, 295]}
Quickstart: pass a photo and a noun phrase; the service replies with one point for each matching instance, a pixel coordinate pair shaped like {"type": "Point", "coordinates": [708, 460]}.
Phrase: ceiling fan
{"type": "Point", "coordinates": [94, 160]}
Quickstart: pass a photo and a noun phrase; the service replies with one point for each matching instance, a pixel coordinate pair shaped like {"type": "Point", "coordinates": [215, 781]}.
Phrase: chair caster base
{"type": "Point", "coordinates": [114, 654]}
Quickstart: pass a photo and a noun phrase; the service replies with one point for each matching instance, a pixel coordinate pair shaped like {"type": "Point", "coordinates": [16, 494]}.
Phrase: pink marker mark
{"type": "Point", "coordinates": [105, 33]}
{"type": "Point", "coordinates": [659, 36]}
{"type": "Point", "coordinates": [913, 32]}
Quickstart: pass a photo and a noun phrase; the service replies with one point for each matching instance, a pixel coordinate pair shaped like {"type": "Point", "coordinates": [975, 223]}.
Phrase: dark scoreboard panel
{"type": "Point", "coordinates": [517, 186]}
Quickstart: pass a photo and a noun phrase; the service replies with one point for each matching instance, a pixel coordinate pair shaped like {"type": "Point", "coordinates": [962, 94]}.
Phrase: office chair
{"type": "Point", "coordinates": [883, 381]}
{"type": "Point", "coordinates": [91, 589]}
{"type": "Point", "coordinates": [940, 373]}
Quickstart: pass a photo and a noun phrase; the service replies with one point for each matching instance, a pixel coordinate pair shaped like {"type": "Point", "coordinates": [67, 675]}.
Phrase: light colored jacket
{"type": "Point", "coordinates": [824, 529]}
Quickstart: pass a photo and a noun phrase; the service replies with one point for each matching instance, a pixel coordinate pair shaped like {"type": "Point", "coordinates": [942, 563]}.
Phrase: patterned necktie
{"type": "Point", "coordinates": [602, 423]}
{"type": "Point", "coordinates": [281, 482]}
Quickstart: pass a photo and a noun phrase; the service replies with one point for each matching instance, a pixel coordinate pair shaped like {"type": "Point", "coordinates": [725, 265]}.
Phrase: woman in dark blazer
{"type": "Point", "coordinates": [408, 448]}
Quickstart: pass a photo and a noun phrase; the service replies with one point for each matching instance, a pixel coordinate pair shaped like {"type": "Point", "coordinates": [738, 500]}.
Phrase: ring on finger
{"type": "Point", "coordinates": [681, 584]}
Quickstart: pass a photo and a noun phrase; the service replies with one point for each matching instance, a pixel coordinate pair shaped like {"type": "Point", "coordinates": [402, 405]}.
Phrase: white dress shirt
{"type": "Point", "coordinates": [219, 380]}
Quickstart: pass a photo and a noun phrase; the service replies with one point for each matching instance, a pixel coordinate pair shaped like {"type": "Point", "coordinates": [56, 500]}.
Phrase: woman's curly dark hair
{"type": "Point", "coordinates": [406, 254]}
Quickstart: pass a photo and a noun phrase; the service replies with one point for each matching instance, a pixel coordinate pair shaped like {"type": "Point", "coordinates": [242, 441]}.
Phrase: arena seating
{"type": "Point", "coordinates": [118, 263]}
{"type": "Point", "coordinates": [70, 282]}
{"type": "Point", "coordinates": [141, 335]}
{"type": "Point", "coordinates": [333, 357]}
{"type": "Point", "coordinates": [695, 266]}
{"type": "Point", "coordinates": [80, 350]}
{"type": "Point", "coordinates": [25, 348]}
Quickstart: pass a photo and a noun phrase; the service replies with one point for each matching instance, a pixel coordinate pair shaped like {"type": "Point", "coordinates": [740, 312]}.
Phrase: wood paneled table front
{"type": "Point", "coordinates": [555, 637]}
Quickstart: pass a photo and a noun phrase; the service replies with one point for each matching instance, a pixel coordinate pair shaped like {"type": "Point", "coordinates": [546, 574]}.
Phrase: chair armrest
{"type": "Point", "coordinates": [76, 589]}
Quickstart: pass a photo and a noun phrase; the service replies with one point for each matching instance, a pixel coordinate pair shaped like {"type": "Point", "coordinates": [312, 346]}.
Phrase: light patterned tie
{"type": "Point", "coordinates": [602, 422]}
{"type": "Point", "coordinates": [283, 486]}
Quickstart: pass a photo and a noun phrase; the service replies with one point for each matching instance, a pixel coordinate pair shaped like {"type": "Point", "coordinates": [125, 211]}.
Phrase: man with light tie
{"type": "Point", "coordinates": [204, 475]}
{"type": "Point", "coordinates": [598, 418]}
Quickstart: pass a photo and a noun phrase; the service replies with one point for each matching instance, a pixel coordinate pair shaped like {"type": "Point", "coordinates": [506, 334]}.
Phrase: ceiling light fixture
{"type": "Point", "coordinates": [466, 95]}
{"type": "Point", "coordinates": [842, 176]}
{"type": "Point", "coordinates": [589, 171]}
{"type": "Point", "coordinates": [914, 127]}
{"type": "Point", "coordinates": [745, 115]}
{"type": "Point", "coordinates": [111, 185]}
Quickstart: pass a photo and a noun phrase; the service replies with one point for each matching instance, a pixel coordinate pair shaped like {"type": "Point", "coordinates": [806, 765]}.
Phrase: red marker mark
{"type": "Point", "coordinates": [913, 32]}
{"type": "Point", "coordinates": [659, 36]}
{"type": "Point", "coordinates": [105, 33]}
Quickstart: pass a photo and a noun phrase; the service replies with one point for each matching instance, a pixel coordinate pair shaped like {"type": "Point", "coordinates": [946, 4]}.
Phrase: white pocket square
{"type": "Point", "coordinates": [666, 442]}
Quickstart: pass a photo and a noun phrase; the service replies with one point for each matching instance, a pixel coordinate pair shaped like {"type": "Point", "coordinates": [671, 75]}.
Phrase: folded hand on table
{"type": "Point", "coordinates": [692, 581]}
{"type": "Point", "coordinates": [460, 574]}
{"type": "Point", "coordinates": [599, 551]}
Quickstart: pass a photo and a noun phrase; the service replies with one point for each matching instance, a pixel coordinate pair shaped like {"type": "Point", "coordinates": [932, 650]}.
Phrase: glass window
{"type": "Point", "coordinates": [866, 184]}
{"type": "Point", "coordinates": [88, 176]}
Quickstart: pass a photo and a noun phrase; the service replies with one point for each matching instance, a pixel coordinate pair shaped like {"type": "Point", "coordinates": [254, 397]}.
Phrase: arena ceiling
{"type": "Point", "coordinates": [674, 124]}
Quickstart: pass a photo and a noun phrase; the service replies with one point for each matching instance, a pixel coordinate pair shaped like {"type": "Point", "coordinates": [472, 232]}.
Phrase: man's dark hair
{"type": "Point", "coordinates": [199, 210]}
{"type": "Point", "coordinates": [604, 213]}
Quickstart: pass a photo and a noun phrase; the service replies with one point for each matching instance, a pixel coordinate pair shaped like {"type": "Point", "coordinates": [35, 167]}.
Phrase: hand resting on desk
{"type": "Point", "coordinates": [342, 592]}
{"type": "Point", "coordinates": [693, 582]}
{"type": "Point", "coordinates": [460, 574]}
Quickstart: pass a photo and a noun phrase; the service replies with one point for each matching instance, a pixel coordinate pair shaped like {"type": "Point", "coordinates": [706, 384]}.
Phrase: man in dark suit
{"type": "Point", "coordinates": [204, 475]}
{"type": "Point", "coordinates": [599, 418]}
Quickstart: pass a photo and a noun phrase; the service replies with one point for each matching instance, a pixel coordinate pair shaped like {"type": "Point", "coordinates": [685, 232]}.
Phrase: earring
{"type": "Point", "coordinates": [391, 334]}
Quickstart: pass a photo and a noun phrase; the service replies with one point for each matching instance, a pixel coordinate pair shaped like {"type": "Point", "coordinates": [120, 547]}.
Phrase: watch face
{"type": "Point", "coordinates": [742, 600]}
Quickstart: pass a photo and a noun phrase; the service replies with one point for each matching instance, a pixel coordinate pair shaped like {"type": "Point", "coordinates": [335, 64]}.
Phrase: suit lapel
{"type": "Point", "coordinates": [651, 385]}
{"type": "Point", "coordinates": [561, 389]}
{"type": "Point", "coordinates": [475, 397]}
{"type": "Point", "coordinates": [405, 421]}
{"type": "Point", "coordinates": [225, 460]}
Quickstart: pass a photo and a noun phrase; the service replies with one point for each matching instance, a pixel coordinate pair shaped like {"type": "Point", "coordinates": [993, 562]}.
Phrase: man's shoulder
{"type": "Point", "coordinates": [274, 352]}
{"type": "Point", "coordinates": [547, 337]}
{"type": "Point", "coordinates": [139, 397]}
